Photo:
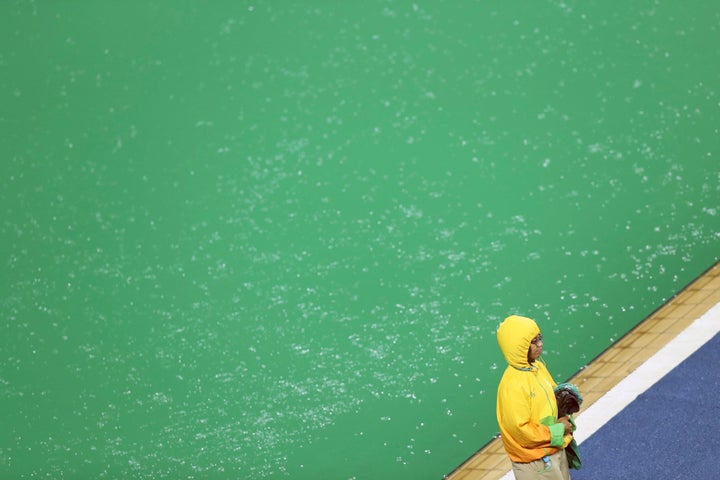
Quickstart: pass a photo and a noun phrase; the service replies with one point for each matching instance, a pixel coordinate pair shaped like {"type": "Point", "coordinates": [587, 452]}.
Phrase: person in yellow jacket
{"type": "Point", "coordinates": [533, 437]}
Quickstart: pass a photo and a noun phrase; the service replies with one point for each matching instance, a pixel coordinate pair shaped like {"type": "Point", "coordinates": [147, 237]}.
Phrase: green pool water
{"type": "Point", "coordinates": [269, 240]}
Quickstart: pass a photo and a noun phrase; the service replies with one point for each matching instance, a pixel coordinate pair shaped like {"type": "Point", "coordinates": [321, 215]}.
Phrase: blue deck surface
{"type": "Point", "coordinates": [672, 431]}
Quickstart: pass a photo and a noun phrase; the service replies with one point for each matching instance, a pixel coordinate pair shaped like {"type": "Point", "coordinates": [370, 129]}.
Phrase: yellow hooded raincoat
{"type": "Point", "coordinates": [526, 407]}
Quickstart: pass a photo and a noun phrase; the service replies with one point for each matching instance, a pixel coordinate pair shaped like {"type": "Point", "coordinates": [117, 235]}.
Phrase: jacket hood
{"type": "Point", "coordinates": [514, 336]}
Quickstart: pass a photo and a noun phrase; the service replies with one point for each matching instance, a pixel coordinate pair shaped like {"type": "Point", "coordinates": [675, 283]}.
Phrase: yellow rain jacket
{"type": "Point", "coordinates": [526, 406]}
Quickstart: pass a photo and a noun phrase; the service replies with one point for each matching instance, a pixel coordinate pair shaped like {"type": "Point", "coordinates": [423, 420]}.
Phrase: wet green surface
{"type": "Point", "coordinates": [245, 240]}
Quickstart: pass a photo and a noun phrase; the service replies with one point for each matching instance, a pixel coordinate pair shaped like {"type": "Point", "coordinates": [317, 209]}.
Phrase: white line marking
{"type": "Point", "coordinates": [646, 375]}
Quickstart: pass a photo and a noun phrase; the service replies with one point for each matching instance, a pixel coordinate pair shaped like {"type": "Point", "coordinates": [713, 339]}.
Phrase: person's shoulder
{"type": "Point", "coordinates": [514, 379]}
{"type": "Point", "coordinates": [543, 370]}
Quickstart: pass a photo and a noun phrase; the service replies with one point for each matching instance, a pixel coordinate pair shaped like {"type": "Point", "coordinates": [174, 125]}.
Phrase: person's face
{"type": "Point", "coordinates": [536, 348]}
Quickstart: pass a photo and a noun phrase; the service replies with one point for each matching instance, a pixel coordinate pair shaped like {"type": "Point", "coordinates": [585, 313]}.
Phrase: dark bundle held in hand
{"type": "Point", "coordinates": [568, 399]}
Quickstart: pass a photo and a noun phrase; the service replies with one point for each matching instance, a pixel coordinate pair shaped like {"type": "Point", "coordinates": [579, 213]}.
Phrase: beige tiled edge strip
{"type": "Point", "coordinates": [622, 358]}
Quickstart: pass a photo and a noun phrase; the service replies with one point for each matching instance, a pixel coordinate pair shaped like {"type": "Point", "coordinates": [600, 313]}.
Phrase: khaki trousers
{"type": "Point", "coordinates": [558, 469]}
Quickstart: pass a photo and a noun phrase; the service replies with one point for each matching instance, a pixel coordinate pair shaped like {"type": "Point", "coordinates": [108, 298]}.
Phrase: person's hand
{"type": "Point", "coordinates": [566, 422]}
